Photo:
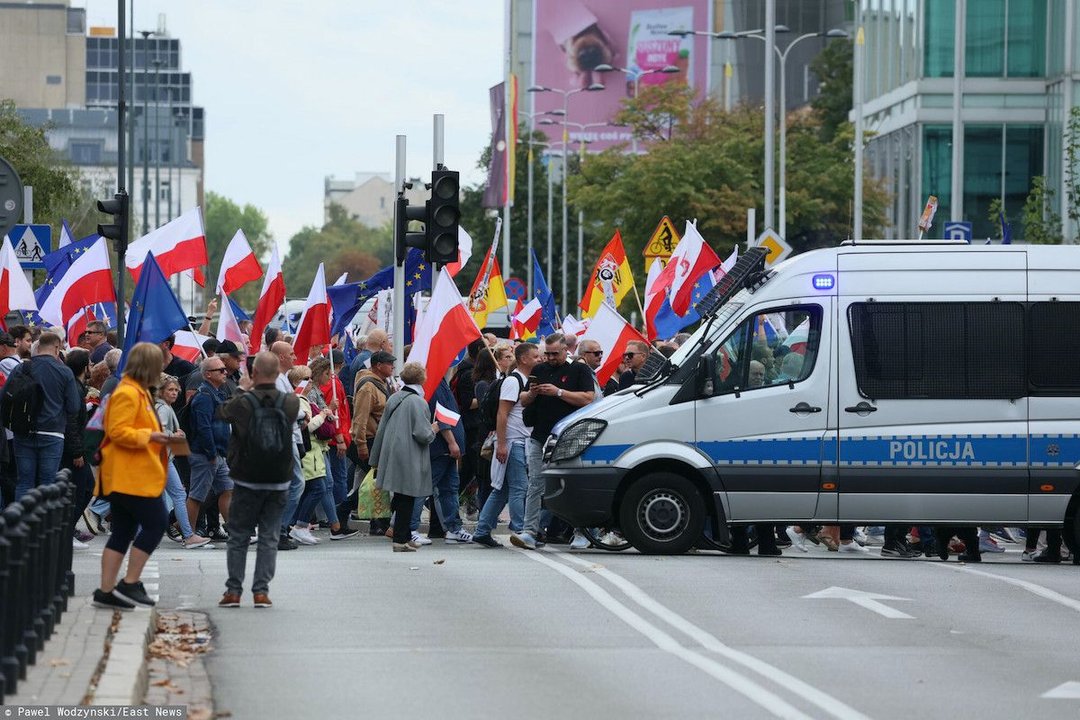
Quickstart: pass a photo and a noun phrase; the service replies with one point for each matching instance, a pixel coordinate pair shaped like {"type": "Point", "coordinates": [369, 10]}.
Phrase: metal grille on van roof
{"type": "Point", "coordinates": [749, 270]}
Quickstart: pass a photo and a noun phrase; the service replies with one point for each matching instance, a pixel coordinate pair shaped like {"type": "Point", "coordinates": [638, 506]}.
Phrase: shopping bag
{"type": "Point", "coordinates": [372, 502]}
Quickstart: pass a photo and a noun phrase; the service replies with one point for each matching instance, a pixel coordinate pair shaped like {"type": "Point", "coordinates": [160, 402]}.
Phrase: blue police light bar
{"type": "Point", "coordinates": [823, 282]}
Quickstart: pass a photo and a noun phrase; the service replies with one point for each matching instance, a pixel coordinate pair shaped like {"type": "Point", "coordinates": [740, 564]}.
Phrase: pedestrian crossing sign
{"type": "Point", "coordinates": [31, 244]}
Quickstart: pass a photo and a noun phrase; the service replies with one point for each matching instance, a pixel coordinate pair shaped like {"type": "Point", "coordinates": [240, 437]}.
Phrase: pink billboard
{"type": "Point", "coordinates": [572, 37]}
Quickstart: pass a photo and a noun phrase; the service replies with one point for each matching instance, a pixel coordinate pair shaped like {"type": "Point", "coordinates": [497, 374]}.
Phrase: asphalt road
{"type": "Point", "coordinates": [463, 631]}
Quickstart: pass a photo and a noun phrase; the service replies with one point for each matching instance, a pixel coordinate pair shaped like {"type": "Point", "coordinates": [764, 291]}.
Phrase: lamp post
{"type": "Point", "coordinates": [529, 226]}
{"type": "Point", "coordinates": [783, 55]}
{"type": "Point", "coordinates": [595, 87]}
{"type": "Point", "coordinates": [636, 76]}
{"type": "Point", "coordinates": [146, 129]}
{"type": "Point", "coordinates": [157, 143]}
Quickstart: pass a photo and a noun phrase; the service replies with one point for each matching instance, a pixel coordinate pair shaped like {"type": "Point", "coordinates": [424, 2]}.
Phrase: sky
{"type": "Point", "coordinates": [297, 91]}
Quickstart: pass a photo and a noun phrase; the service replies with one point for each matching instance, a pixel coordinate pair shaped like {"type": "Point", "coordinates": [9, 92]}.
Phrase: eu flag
{"type": "Point", "coordinates": [56, 265]}
{"type": "Point", "coordinates": [345, 300]}
{"type": "Point", "coordinates": [668, 324]}
{"type": "Point", "coordinates": [155, 312]}
{"type": "Point", "coordinates": [549, 315]}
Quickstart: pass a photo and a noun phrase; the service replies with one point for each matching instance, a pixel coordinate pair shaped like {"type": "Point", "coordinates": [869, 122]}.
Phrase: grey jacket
{"type": "Point", "coordinates": [400, 450]}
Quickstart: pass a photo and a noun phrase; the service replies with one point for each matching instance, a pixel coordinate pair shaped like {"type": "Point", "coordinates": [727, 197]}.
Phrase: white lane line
{"type": "Point", "coordinates": [1043, 592]}
{"type": "Point", "coordinates": [789, 682]}
{"type": "Point", "coordinates": [736, 681]}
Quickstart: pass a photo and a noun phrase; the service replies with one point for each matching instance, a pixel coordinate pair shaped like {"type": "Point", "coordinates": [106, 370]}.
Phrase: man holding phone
{"type": "Point", "coordinates": [557, 387]}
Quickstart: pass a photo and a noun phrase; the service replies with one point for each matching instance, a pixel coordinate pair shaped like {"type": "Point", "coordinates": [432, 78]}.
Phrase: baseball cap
{"type": "Point", "coordinates": [228, 347]}
{"type": "Point", "coordinates": [381, 356]}
{"type": "Point", "coordinates": [6, 339]}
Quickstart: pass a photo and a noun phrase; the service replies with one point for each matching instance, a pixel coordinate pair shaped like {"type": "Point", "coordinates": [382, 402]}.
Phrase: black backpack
{"type": "Point", "coordinates": [266, 451]}
{"type": "Point", "coordinates": [489, 405]}
{"type": "Point", "coordinates": [22, 401]}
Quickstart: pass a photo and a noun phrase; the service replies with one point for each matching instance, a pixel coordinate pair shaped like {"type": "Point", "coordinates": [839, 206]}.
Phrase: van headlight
{"type": "Point", "coordinates": [575, 439]}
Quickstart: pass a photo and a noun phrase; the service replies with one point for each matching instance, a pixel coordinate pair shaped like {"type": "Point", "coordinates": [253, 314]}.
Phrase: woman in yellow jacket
{"type": "Point", "coordinates": [133, 466]}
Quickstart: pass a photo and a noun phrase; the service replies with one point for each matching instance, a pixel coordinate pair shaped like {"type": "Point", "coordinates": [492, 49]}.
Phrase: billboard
{"type": "Point", "coordinates": [572, 37]}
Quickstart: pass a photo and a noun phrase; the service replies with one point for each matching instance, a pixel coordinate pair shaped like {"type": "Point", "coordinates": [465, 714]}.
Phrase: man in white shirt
{"type": "Point", "coordinates": [509, 470]}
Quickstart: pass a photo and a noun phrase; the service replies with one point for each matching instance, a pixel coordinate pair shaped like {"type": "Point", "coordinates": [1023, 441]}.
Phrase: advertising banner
{"type": "Point", "coordinates": [572, 37]}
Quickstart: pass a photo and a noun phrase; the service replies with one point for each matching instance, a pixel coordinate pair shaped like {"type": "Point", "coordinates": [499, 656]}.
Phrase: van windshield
{"type": "Point", "coordinates": [692, 347]}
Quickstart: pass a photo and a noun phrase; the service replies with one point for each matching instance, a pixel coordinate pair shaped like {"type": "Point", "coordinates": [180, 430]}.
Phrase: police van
{"type": "Point", "coordinates": [877, 382]}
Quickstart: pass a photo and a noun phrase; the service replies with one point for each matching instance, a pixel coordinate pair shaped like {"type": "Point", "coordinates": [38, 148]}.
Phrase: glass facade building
{"type": "Point", "coordinates": [1017, 69]}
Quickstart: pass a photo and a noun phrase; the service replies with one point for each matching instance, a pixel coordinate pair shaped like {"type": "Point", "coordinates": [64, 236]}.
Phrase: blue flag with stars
{"type": "Point", "coordinates": [549, 315]}
{"type": "Point", "coordinates": [155, 312]}
{"type": "Point", "coordinates": [346, 299]}
{"type": "Point", "coordinates": [56, 265]}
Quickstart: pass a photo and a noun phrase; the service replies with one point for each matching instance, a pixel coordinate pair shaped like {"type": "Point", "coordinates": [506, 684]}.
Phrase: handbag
{"type": "Point", "coordinates": [487, 449]}
{"type": "Point", "coordinates": [372, 503]}
{"type": "Point", "coordinates": [328, 430]}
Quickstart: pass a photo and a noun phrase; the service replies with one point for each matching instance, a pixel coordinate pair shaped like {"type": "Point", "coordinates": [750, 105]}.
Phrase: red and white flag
{"type": "Point", "coordinates": [613, 333]}
{"type": "Point", "coordinates": [178, 245]}
{"type": "Point", "coordinates": [88, 281]}
{"type": "Point", "coordinates": [655, 294]}
{"type": "Point", "coordinates": [691, 259]}
{"type": "Point", "coordinates": [445, 415]}
{"type": "Point", "coordinates": [228, 328]}
{"type": "Point", "coordinates": [189, 345]}
{"type": "Point", "coordinates": [527, 318]}
{"type": "Point", "coordinates": [464, 244]}
{"type": "Point", "coordinates": [15, 291]}
{"type": "Point", "coordinates": [446, 329]}
{"type": "Point", "coordinates": [239, 266]}
{"type": "Point", "coordinates": [76, 326]}
{"type": "Point", "coordinates": [314, 326]}
{"type": "Point", "coordinates": [270, 299]}
{"type": "Point", "coordinates": [572, 326]}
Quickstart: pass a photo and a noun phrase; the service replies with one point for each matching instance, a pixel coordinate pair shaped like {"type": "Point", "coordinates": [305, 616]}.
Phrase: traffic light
{"type": "Point", "coordinates": [118, 229]}
{"type": "Point", "coordinates": [443, 215]}
{"type": "Point", "coordinates": [403, 215]}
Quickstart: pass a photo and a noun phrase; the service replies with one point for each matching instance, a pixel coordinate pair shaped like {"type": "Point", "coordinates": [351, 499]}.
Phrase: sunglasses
{"type": "Point", "coordinates": [210, 370]}
{"type": "Point", "coordinates": [592, 352]}
{"type": "Point", "coordinates": [631, 354]}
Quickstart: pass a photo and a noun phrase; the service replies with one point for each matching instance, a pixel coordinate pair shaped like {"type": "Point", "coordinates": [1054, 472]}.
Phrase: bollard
{"type": "Point", "coordinates": [35, 544]}
{"type": "Point", "coordinates": [18, 602]}
{"type": "Point", "coordinates": [50, 610]}
{"type": "Point", "coordinates": [65, 578]}
{"type": "Point", "coordinates": [4, 630]}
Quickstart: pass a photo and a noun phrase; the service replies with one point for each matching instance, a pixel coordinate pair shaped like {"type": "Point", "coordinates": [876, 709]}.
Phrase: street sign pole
{"type": "Point", "coordinates": [28, 218]}
{"type": "Point", "coordinates": [399, 264]}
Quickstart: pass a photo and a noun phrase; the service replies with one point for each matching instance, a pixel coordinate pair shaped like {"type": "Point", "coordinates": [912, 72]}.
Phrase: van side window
{"type": "Point", "coordinates": [960, 350]}
{"type": "Point", "coordinates": [774, 347]}
{"type": "Point", "coordinates": [1054, 348]}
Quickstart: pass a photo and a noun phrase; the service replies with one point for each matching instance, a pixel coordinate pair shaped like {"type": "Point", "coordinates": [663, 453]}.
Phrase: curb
{"type": "Point", "coordinates": [124, 679]}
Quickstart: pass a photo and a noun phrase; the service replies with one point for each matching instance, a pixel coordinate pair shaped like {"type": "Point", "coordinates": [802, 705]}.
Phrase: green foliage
{"type": "Point", "coordinates": [1042, 224]}
{"type": "Point", "coordinates": [222, 218]}
{"type": "Point", "coordinates": [834, 67]}
{"type": "Point", "coordinates": [997, 209]}
{"type": "Point", "coordinates": [1072, 171]}
{"type": "Point", "coordinates": [343, 244]}
{"type": "Point", "coordinates": [57, 191]}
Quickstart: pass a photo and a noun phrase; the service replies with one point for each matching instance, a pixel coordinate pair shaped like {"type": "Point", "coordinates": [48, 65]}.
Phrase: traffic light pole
{"type": "Point", "coordinates": [399, 262]}
{"type": "Point", "coordinates": [438, 151]}
{"type": "Point", "coordinates": [121, 107]}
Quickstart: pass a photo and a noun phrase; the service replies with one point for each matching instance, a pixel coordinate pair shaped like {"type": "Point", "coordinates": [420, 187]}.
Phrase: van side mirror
{"type": "Point", "coordinates": [706, 375]}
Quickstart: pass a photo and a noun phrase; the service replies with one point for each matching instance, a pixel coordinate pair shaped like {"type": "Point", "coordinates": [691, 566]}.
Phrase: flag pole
{"type": "Point", "coordinates": [202, 350]}
{"type": "Point", "coordinates": [638, 297]}
{"type": "Point", "coordinates": [330, 354]}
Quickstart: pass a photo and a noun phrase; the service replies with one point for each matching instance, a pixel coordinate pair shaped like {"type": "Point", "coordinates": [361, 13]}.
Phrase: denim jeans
{"type": "Point", "coordinates": [296, 489]}
{"type": "Point", "coordinates": [37, 459]}
{"type": "Point", "coordinates": [513, 491]}
{"type": "Point", "coordinates": [534, 496]}
{"type": "Point", "coordinates": [317, 493]}
{"type": "Point", "coordinates": [250, 509]}
{"type": "Point", "coordinates": [445, 484]}
{"type": "Point", "coordinates": [338, 475]}
{"type": "Point", "coordinates": [175, 496]}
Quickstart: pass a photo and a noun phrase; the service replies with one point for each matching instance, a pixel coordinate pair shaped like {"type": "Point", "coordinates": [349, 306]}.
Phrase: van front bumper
{"type": "Point", "coordinates": [582, 496]}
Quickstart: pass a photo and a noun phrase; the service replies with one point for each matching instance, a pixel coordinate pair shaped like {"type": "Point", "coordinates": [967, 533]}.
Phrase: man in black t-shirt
{"type": "Point", "coordinates": [557, 388]}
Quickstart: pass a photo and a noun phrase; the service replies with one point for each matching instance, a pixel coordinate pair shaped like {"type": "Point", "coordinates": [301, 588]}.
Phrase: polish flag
{"type": "Point", "coordinates": [178, 245]}
{"type": "Point", "coordinates": [239, 266]}
{"type": "Point", "coordinates": [655, 294]}
{"type": "Point", "coordinates": [446, 329]}
{"type": "Point", "coordinates": [445, 415]}
{"type": "Point", "coordinates": [464, 244]}
{"type": "Point", "coordinates": [87, 281]}
{"type": "Point", "coordinates": [189, 345]}
{"type": "Point", "coordinates": [528, 317]}
{"type": "Point", "coordinates": [613, 333]}
{"type": "Point", "coordinates": [228, 328]}
{"type": "Point", "coordinates": [691, 259]}
{"type": "Point", "coordinates": [516, 330]}
{"type": "Point", "coordinates": [572, 326]}
{"type": "Point", "coordinates": [15, 291]}
{"type": "Point", "coordinates": [76, 326]}
{"type": "Point", "coordinates": [798, 338]}
{"type": "Point", "coordinates": [314, 326]}
{"type": "Point", "coordinates": [270, 299]}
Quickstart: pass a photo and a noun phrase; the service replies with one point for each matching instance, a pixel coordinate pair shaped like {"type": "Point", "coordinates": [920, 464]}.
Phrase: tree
{"type": "Point", "coordinates": [56, 184]}
{"type": "Point", "coordinates": [1042, 224]}
{"type": "Point", "coordinates": [834, 67]}
{"type": "Point", "coordinates": [223, 218]}
{"type": "Point", "coordinates": [1072, 171]}
{"type": "Point", "coordinates": [341, 244]}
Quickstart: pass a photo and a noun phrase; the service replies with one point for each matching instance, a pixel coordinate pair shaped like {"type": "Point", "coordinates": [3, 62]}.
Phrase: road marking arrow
{"type": "Point", "coordinates": [863, 599]}
{"type": "Point", "coordinates": [1065, 691]}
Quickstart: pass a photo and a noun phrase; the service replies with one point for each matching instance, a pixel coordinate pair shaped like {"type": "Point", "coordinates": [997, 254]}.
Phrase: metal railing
{"type": "Point", "coordinates": [35, 574]}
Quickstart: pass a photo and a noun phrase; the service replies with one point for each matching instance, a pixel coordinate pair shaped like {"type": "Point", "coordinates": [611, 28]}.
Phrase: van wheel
{"type": "Point", "coordinates": [662, 514]}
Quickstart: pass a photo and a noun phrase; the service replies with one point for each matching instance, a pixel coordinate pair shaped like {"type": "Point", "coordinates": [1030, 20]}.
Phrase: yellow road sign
{"type": "Point", "coordinates": [663, 240]}
{"type": "Point", "coordinates": [777, 246]}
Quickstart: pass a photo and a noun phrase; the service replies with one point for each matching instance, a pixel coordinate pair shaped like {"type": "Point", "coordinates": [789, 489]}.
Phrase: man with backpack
{"type": "Point", "coordinates": [35, 403]}
{"type": "Point", "coordinates": [260, 463]}
{"type": "Point", "coordinates": [509, 470]}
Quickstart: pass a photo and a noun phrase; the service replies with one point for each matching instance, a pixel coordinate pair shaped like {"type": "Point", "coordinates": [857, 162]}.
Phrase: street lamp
{"type": "Point", "coordinates": [158, 62]}
{"type": "Point", "coordinates": [636, 76]}
{"type": "Point", "coordinates": [783, 55]}
{"type": "Point", "coordinates": [146, 128]}
{"type": "Point", "coordinates": [595, 87]}
{"type": "Point", "coordinates": [530, 116]}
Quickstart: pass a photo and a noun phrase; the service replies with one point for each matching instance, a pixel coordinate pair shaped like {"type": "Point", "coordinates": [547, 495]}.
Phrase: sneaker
{"type": "Point", "coordinates": [78, 544]}
{"type": "Point", "coordinates": [286, 543]}
{"type": "Point", "coordinates": [1027, 556]}
{"type": "Point", "coordinates": [174, 534]}
{"type": "Point", "coordinates": [1047, 557]}
{"type": "Point", "coordinates": [1014, 535]}
{"type": "Point", "coordinates": [229, 600]}
{"type": "Point", "coordinates": [852, 547]}
{"type": "Point", "coordinates": [262, 600]}
{"type": "Point", "coordinates": [860, 537]}
{"type": "Point", "coordinates": [197, 541]}
{"type": "Point", "coordinates": [524, 540]}
{"type": "Point", "coordinates": [93, 521]}
{"type": "Point", "coordinates": [458, 536]}
{"type": "Point", "coordinates": [486, 541]}
{"type": "Point", "coordinates": [579, 541]}
{"type": "Point", "coordinates": [798, 540]}
{"type": "Point", "coordinates": [218, 536]}
{"type": "Point", "coordinates": [134, 593]}
{"type": "Point", "coordinates": [404, 547]}
{"type": "Point", "coordinates": [896, 550]}
{"type": "Point", "coordinates": [343, 534]}
{"type": "Point", "coordinates": [303, 536]}
{"type": "Point", "coordinates": [109, 601]}
{"type": "Point", "coordinates": [419, 539]}
{"type": "Point", "coordinates": [987, 544]}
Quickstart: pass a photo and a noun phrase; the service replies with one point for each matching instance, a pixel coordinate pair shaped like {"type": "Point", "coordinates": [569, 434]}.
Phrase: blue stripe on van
{"type": "Point", "coordinates": [934, 451]}
{"type": "Point", "coordinates": [603, 453]}
{"type": "Point", "coordinates": [764, 451]}
{"type": "Point", "coordinates": [1055, 450]}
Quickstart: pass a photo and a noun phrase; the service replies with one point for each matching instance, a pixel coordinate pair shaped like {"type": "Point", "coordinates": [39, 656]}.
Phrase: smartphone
{"type": "Point", "coordinates": [532, 380]}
